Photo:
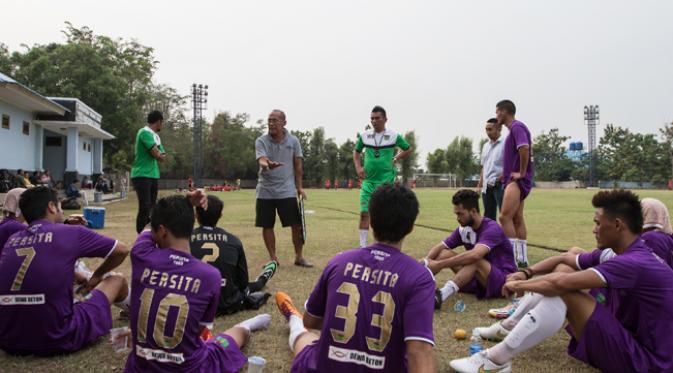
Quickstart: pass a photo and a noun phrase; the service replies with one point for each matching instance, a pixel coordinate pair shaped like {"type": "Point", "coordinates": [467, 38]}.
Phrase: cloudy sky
{"type": "Point", "coordinates": [438, 67]}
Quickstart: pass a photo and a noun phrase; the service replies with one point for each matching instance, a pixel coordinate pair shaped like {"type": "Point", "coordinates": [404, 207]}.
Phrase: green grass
{"type": "Point", "coordinates": [558, 218]}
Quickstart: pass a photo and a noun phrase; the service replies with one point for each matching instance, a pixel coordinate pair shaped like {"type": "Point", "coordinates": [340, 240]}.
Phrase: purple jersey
{"type": "Point", "coordinates": [642, 286]}
{"type": "Point", "coordinates": [518, 136]}
{"type": "Point", "coordinates": [9, 226]}
{"type": "Point", "coordinates": [36, 276]}
{"type": "Point", "coordinates": [661, 244]}
{"type": "Point", "coordinates": [372, 300]}
{"type": "Point", "coordinates": [500, 253]}
{"type": "Point", "coordinates": [173, 296]}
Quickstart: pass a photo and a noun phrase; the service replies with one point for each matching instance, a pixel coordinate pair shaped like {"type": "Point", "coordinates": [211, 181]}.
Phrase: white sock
{"type": "Point", "coordinates": [125, 305]}
{"type": "Point", "coordinates": [515, 247]}
{"type": "Point", "coordinates": [363, 237]}
{"type": "Point", "coordinates": [256, 323]}
{"type": "Point", "coordinates": [296, 325]}
{"type": "Point", "coordinates": [540, 323]}
{"type": "Point", "coordinates": [524, 250]}
{"type": "Point", "coordinates": [448, 289]}
{"type": "Point", "coordinates": [526, 303]}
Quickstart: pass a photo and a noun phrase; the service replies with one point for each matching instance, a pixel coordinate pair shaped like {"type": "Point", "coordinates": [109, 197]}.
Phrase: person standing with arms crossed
{"type": "Point", "coordinates": [279, 156]}
{"type": "Point", "coordinates": [379, 146]}
{"type": "Point", "coordinates": [517, 178]}
{"type": "Point", "coordinates": [490, 178]}
{"type": "Point", "coordinates": [145, 171]}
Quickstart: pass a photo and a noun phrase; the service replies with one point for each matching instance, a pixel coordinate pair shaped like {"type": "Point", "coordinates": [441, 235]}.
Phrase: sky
{"type": "Point", "coordinates": [437, 67]}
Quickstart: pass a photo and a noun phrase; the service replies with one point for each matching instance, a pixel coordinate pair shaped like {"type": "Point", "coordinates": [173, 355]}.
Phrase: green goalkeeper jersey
{"type": "Point", "coordinates": [379, 150]}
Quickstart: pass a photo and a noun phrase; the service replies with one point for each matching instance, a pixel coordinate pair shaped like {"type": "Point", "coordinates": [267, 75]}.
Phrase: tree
{"type": "Point", "coordinates": [314, 157]}
{"type": "Point", "coordinates": [331, 169]}
{"type": "Point", "coordinates": [551, 161]}
{"type": "Point", "coordinates": [667, 134]}
{"type": "Point", "coordinates": [437, 163]}
{"type": "Point", "coordinates": [346, 165]}
{"type": "Point", "coordinates": [230, 147]}
{"type": "Point", "coordinates": [461, 159]}
{"type": "Point", "coordinates": [112, 76]}
{"type": "Point", "coordinates": [410, 163]}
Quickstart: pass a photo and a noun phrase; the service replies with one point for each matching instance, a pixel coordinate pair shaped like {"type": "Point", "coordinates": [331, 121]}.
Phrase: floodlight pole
{"type": "Point", "coordinates": [199, 104]}
{"type": "Point", "coordinates": [592, 119]}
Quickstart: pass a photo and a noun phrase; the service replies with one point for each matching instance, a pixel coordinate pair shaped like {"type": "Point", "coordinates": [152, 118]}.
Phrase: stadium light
{"type": "Point", "coordinates": [199, 104]}
{"type": "Point", "coordinates": [591, 118]}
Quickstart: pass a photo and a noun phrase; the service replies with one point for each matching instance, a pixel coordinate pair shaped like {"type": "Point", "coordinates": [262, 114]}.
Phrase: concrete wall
{"type": "Point", "coordinates": [559, 184]}
{"type": "Point", "coordinates": [16, 149]}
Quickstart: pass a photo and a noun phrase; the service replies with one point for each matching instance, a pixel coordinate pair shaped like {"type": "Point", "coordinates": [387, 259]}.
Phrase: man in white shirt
{"type": "Point", "coordinates": [490, 178]}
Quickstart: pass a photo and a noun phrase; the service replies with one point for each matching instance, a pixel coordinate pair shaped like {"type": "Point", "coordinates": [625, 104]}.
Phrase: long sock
{"type": "Point", "coordinates": [448, 289]}
{"type": "Point", "coordinates": [524, 251]}
{"type": "Point", "coordinates": [515, 247]}
{"type": "Point", "coordinates": [526, 303]}
{"type": "Point", "coordinates": [540, 323]}
{"type": "Point", "coordinates": [256, 323]}
{"type": "Point", "coordinates": [363, 237]}
{"type": "Point", "coordinates": [296, 325]}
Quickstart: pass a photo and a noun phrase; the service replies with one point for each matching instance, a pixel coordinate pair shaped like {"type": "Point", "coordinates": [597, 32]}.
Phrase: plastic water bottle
{"type": "Point", "coordinates": [459, 306]}
{"type": "Point", "coordinates": [475, 345]}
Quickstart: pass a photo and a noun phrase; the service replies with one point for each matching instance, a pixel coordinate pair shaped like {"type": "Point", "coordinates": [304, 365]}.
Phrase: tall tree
{"type": "Point", "coordinates": [461, 159]}
{"type": "Point", "coordinates": [437, 163]}
{"type": "Point", "coordinates": [667, 134]}
{"type": "Point", "coordinates": [551, 161]}
{"type": "Point", "coordinates": [230, 147]}
{"type": "Point", "coordinates": [112, 76]}
{"type": "Point", "coordinates": [313, 163]}
{"type": "Point", "coordinates": [410, 163]}
{"type": "Point", "coordinates": [346, 165]}
{"type": "Point", "coordinates": [331, 170]}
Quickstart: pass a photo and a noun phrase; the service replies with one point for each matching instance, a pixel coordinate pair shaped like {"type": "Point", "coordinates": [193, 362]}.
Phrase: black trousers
{"type": "Point", "coordinates": [493, 201]}
{"type": "Point", "coordinates": [146, 189]}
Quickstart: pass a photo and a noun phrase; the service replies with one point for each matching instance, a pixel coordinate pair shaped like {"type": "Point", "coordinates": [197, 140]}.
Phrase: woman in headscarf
{"type": "Point", "coordinates": [657, 231]}
{"type": "Point", "coordinates": [12, 221]}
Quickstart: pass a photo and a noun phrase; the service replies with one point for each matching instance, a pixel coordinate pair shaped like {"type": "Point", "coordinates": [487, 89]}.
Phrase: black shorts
{"type": "Point", "coordinates": [287, 210]}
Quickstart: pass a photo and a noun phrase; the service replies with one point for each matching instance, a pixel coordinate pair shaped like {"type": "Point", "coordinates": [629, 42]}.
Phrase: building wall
{"type": "Point", "coordinates": [85, 156]}
{"type": "Point", "coordinates": [17, 150]}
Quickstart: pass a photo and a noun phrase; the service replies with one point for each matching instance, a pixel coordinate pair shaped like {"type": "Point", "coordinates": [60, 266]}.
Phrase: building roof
{"type": "Point", "coordinates": [25, 98]}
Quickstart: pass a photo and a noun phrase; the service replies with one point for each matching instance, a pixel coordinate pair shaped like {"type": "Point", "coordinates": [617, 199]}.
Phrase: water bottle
{"type": "Point", "coordinates": [475, 345]}
{"type": "Point", "coordinates": [459, 306]}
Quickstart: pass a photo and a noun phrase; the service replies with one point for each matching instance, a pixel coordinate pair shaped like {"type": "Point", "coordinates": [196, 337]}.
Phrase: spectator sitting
{"type": "Point", "coordinates": [35, 178]}
{"type": "Point", "coordinates": [5, 181]}
{"type": "Point", "coordinates": [73, 190]}
{"type": "Point", "coordinates": [26, 180]}
{"type": "Point", "coordinates": [102, 185]}
{"type": "Point", "coordinates": [45, 179]}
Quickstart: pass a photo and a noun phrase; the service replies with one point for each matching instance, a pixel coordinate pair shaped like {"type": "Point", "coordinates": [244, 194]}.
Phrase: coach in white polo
{"type": "Point", "coordinates": [279, 156]}
{"type": "Point", "coordinates": [490, 178]}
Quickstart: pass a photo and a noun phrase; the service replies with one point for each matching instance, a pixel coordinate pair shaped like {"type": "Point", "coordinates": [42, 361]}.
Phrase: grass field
{"type": "Point", "coordinates": [558, 218]}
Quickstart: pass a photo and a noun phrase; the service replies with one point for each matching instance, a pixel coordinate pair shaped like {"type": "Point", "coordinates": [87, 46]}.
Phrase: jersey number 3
{"type": "Point", "coordinates": [349, 313]}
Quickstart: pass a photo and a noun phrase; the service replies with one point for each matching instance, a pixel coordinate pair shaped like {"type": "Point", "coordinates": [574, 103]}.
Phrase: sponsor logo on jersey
{"type": "Point", "coordinates": [345, 355]}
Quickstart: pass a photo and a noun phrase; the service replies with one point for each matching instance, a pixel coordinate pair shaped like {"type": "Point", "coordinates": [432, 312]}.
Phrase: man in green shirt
{"type": "Point", "coordinates": [379, 147]}
{"type": "Point", "coordinates": [145, 172]}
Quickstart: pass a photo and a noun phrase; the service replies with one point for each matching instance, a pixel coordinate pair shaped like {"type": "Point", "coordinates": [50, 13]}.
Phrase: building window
{"type": "Point", "coordinates": [88, 147]}
{"type": "Point", "coordinates": [53, 141]}
{"type": "Point", "coordinates": [5, 121]}
{"type": "Point", "coordinates": [26, 128]}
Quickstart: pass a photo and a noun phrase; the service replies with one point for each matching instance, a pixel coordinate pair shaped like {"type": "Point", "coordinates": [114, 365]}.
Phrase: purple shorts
{"type": "Point", "coordinates": [496, 280]}
{"type": "Point", "coordinates": [306, 360]}
{"type": "Point", "coordinates": [606, 345]}
{"type": "Point", "coordinates": [90, 320]}
{"type": "Point", "coordinates": [224, 355]}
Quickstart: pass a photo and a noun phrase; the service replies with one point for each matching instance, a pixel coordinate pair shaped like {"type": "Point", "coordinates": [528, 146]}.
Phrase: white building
{"type": "Point", "coordinates": [37, 133]}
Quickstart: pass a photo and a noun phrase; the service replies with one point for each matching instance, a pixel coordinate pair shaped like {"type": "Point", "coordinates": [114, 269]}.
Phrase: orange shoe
{"type": "Point", "coordinates": [285, 306]}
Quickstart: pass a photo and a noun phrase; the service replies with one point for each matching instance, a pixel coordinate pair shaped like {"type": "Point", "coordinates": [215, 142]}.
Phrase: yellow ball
{"type": "Point", "coordinates": [459, 334]}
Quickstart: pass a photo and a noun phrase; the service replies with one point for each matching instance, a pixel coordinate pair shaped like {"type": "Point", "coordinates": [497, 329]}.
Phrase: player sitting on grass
{"type": "Point", "coordinates": [37, 315]}
{"type": "Point", "coordinates": [373, 304]}
{"type": "Point", "coordinates": [488, 256]}
{"type": "Point", "coordinates": [175, 298]}
{"type": "Point", "coordinates": [657, 229]}
{"type": "Point", "coordinates": [631, 332]}
{"type": "Point", "coordinates": [225, 252]}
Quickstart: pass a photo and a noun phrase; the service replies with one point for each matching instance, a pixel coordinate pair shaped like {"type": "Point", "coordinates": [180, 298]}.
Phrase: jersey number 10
{"type": "Point", "coordinates": [159, 329]}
